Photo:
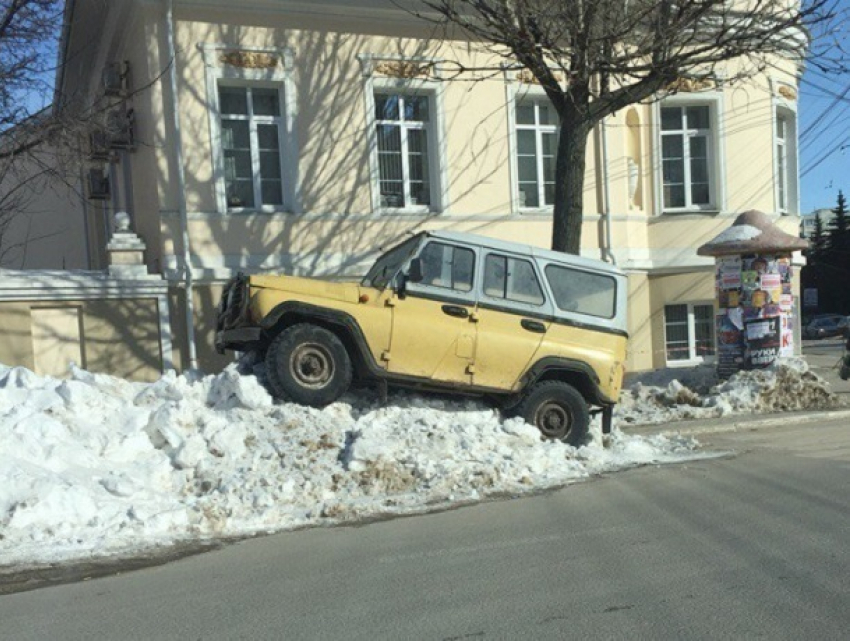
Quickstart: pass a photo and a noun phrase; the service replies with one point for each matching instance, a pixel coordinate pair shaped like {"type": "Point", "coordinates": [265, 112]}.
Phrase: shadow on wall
{"type": "Point", "coordinates": [336, 236]}
{"type": "Point", "coordinates": [114, 335]}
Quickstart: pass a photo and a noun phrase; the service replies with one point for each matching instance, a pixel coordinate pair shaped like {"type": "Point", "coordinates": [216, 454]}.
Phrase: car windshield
{"type": "Point", "coordinates": [387, 266]}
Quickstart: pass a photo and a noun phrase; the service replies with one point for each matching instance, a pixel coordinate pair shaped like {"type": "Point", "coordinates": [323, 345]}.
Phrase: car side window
{"type": "Point", "coordinates": [582, 292]}
{"type": "Point", "coordinates": [447, 266]}
{"type": "Point", "coordinates": [511, 279]}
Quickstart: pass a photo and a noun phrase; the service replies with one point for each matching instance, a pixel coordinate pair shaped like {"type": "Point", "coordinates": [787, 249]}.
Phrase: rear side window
{"type": "Point", "coordinates": [511, 279]}
{"type": "Point", "coordinates": [447, 266]}
{"type": "Point", "coordinates": [582, 292]}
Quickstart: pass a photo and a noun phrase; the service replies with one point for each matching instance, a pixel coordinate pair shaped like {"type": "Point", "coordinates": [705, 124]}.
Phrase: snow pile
{"type": "Point", "coordinates": [96, 465]}
{"type": "Point", "coordinates": [786, 385]}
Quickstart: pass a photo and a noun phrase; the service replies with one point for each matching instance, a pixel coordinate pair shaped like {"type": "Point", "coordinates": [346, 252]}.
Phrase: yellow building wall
{"type": "Point", "coordinates": [118, 337]}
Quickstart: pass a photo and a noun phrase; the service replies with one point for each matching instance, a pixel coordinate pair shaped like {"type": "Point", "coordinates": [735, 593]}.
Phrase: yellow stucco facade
{"type": "Point", "coordinates": [327, 64]}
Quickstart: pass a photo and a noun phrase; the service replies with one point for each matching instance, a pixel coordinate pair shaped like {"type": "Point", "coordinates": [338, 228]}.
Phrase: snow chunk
{"type": "Point", "coordinates": [737, 234]}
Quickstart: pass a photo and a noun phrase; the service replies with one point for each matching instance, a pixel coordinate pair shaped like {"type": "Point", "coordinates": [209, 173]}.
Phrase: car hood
{"type": "Point", "coordinates": [309, 287]}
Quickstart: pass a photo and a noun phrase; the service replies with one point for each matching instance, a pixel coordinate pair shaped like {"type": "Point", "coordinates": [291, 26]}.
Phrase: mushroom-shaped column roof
{"type": "Point", "coordinates": [752, 233]}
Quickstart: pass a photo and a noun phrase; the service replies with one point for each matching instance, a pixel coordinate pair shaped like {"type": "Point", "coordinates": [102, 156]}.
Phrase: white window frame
{"type": "Point", "coordinates": [429, 86]}
{"type": "Point", "coordinates": [517, 91]}
{"type": "Point", "coordinates": [219, 73]}
{"type": "Point", "coordinates": [786, 110]}
{"type": "Point", "coordinates": [716, 152]}
{"type": "Point", "coordinates": [693, 358]}
{"type": "Point", "coordinates": [535, 99]}
{"type": "Point", "coordinates": [405, 127]}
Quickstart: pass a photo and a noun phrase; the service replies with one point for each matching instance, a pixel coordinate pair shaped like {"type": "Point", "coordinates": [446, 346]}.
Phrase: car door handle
{"type": "Point", "coordinates": [533, 326]}
{"type": "Point", "coordinates": [456, 310]}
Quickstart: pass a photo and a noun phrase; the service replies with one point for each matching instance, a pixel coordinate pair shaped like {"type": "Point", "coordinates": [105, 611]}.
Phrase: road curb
{"type": "Point", "coordinates": [738, 423]}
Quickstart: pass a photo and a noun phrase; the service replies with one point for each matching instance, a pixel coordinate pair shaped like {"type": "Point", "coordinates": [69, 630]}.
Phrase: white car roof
{"type": "Point", "coordinates": [520, 248]}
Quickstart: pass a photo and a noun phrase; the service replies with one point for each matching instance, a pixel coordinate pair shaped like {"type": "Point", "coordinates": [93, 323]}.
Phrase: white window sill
{"type": "Point", "coordinates": [707, 210]}
{"type": "Point", "coordinates": [693, 362]}
{"type": "Point", "coordinates": [536, 211]}
{"type": "Point", "coordinates": [405, 211]}
{"type": "Point", "coordinates": [265, 209]}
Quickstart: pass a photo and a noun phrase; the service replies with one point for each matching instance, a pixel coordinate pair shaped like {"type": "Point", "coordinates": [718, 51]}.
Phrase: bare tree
{"type": "Point", "coordinates": [28, 33]}
{"type": "Point", "coordinates": [595, 57]}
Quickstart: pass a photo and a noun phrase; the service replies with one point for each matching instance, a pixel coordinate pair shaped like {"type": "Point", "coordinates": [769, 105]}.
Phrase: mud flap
{"type": "Point", "coordinates": [607, 419]}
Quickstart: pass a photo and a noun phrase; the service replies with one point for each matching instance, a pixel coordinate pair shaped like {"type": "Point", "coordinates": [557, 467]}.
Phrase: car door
{"type": "Point", "coordinates": [513, 316]}
{"type": "Point", "coordinates": [433, 333]}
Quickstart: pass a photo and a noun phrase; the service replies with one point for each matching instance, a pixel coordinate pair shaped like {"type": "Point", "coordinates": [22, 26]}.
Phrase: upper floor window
{"type": "Point", "coordinates": [687, 140]}
{"type": "Point", "coordinates": [782, 162]}
{"type": "Point", "coordinates": [251, 127]}
{"type": "Point", "coordinates": [785, 159]}
{"type": "Point", "coordinates": [404, 134]}
{"type": "Point", "coordinates": [536, 148]}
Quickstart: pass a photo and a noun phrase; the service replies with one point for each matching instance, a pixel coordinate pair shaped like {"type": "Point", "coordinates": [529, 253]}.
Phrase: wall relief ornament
{"type": "Point", "coordinates": [689, 85]}
{"type": "Point", "coordinates": [525, 76]}
{"type": "Point", "coordinates": [403, 69]}
{"type": "Point", "coordinates": [787, 92]}
{"type": "Point", "coordinates": [249, 59]}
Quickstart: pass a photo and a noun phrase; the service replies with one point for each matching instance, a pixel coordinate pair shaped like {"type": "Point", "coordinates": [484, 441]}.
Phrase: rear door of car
{"type": "Point", "coordinates": [513, 316]}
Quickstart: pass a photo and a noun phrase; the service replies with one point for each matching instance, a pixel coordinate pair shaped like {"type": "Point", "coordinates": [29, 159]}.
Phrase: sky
{"type": "Point", "coordinates": [824, 132]}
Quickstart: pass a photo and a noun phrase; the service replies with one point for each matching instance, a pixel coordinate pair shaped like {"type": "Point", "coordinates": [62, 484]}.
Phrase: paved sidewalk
{"type": "Point", "coordinates": [738, 422]}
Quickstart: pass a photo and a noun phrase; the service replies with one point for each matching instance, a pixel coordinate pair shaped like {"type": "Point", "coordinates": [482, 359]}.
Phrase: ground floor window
{"type": "Point", "coordinates": [689, 331]}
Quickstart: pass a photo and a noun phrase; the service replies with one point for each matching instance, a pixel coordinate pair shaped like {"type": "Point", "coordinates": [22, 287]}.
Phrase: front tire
{"type": "Point", "coordinates": [558, 410]}
{"type": "Point", "coordinates": [308, 364]}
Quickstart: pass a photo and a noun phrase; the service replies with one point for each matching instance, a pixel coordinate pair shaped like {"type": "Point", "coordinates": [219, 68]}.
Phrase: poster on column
{"type": "Point", "coordinates": [730, 342]}
{"type": "Point", "coordinates": [764, 341]}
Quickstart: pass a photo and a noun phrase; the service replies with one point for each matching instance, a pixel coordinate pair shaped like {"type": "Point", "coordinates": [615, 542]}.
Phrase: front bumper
{"type": "Point", "coordinates": [234, 329]}
{"type": "Point", "coordinates": [238, 338]}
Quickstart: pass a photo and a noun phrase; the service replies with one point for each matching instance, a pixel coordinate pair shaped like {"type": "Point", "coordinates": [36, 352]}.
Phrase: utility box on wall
{"type": "Point", "coordinates": [755, 305]}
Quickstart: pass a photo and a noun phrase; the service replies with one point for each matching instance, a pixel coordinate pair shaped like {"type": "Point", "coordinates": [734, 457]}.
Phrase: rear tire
{"type": "Point", "coordinates": [558, 410]}
{"type": "Point", "coordinates": [308, 364]}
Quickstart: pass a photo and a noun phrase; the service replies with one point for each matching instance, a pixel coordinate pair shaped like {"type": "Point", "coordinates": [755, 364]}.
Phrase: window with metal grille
{"type": "Point", "coordinates": [251, 127]}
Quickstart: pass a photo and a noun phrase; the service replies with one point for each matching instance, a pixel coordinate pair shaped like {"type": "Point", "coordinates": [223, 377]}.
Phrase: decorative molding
{"type": "Point", "coordinates": [404, 69]}
{"type": "Point", "coordinates": [689, 85]}
{"type": "Point", "coordinates": [249, 59]}
{"type": "Point", "coordinates": [787, 92]}
{"type": "Point", "coordinates": [525, 76]}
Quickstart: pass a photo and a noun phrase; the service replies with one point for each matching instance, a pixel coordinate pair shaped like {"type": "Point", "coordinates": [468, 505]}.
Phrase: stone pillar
{"type": "Point", "coordinates": [126, 252]}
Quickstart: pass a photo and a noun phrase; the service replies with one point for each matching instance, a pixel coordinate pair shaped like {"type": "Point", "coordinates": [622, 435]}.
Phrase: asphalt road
{"type": "Point", "coordinates": [751, 545]}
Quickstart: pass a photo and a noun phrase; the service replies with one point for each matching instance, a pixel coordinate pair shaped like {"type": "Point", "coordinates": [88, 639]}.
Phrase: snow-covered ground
{"type": "Point", "coordinates": [97, 466]}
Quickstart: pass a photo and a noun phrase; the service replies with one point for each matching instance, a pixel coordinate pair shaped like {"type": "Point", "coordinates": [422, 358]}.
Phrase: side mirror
{"type": "Point", "coordinates": [414, 275]}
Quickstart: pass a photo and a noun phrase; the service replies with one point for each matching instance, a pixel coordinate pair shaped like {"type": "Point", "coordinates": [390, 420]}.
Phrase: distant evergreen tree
{"type": "Point", "coordinates": [817, 243]}
{"type": "Point", "coordinates": [838, 227]}
{"type": "Point", "coordinates": [836, 261]}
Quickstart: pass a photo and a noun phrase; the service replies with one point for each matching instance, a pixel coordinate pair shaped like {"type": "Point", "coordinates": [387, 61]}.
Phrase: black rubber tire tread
{"type": "Point", "coordinates": [564, 394]}
{"type": "Point", "coordinates": [280, 381]}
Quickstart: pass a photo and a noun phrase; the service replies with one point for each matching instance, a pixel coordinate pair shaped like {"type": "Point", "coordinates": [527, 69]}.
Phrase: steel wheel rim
{"type": "Point", "coordinates": [311, 365]}
{"type": "Point", "coordinates": [553, 419]}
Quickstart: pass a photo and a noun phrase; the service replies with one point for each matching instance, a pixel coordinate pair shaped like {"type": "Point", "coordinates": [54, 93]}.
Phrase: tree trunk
{"type": "Point", "coordinates": [569, 182]}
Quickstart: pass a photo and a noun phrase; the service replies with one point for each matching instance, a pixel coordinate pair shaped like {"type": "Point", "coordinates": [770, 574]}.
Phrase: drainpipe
{"type": "Point", "coordinates": [181, 187]}
{"type": "Point", "coordinates": [606, 188]}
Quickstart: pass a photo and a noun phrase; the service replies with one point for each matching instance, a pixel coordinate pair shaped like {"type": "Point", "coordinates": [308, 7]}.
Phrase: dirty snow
{"type": "Point", "coordinates": [674, 395]}
{"type": "Point", "coordinates": [98, 466]}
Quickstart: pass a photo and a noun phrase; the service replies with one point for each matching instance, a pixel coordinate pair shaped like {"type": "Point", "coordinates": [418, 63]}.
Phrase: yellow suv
{"type": "Point", "coordinates": [542, 333]}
